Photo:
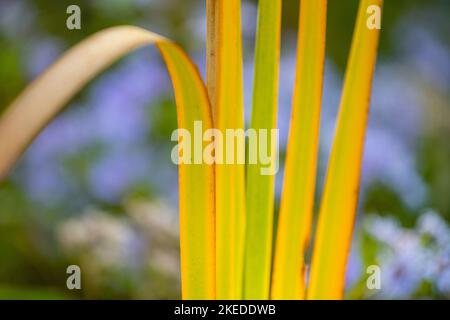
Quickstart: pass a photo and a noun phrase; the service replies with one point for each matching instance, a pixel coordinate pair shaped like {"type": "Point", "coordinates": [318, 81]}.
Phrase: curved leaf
{"type": "Point", "coordinates": [48, 94]}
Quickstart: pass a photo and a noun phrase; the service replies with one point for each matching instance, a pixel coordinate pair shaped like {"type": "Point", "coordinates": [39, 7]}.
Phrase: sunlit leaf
{"type": "Point", "coordinates": [338, 207]}
{"type": "Point", "coordinates": [48, 94]}
{"type": "Point", "coordinates": [228, 113]}
{"type": "Point", "coordinates": [301, 161]}
{"type": "Point", "coordinates": [260, 187]}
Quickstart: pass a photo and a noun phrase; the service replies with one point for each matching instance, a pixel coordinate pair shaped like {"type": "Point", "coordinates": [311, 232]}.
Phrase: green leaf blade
{"type": "Point", "coordinates": [260, 188]}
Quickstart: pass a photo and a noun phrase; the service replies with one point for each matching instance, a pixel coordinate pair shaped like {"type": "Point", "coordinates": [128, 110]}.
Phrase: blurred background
{"type": "Point", "coordinates": [97, 187]}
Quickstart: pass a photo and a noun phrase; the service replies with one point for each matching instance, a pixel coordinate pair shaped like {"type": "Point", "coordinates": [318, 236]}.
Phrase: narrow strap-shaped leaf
{"type": "Point", "coordinates": [301, 160]}
{"type": "Point", "coordinates": [260, 186]}
{"type": "Point", "coordinates": [230, 175]}
{"type": "Point", "coordinates": [212, 26]}
{"type": "Point", "coordinates": [338, 207]}
{"type": "Point", "coordinates": [49, 93]}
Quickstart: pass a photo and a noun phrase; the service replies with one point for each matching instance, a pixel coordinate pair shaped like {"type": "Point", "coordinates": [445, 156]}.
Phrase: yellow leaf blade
{"type": "Point", "coordinates": [230, 177]}
{"type": "Point", "coordinates": [260, 188]}
{"type": "Point", "coordinates": [301, 160]}
{"type": "Point", "coordinates": [338, 207]}
{"type": "Point", "coordinates": [212, 10]}
{"type": "Point", "coordinates": [48, 94]}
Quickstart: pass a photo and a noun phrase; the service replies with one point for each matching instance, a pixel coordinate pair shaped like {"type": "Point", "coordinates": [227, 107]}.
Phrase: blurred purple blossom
{"type": "Point", "coordinates": [16, 18]}
{"type": "Point", "coordinates": [354, 266]}
{"type": "Point", "coordinates": [42, 51]}
{"type": "Point", "coordinates": [115, 115]}
{"type": "Point", "coordinates": [113, 175]}
{"type": "Point", "coordinates": [425, 52]}
{"type": "Point", "coordinates": [406, 260]}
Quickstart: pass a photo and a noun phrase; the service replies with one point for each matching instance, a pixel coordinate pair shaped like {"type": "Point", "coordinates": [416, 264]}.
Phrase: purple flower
{"type": "Point", "coordinates": [116, 172]}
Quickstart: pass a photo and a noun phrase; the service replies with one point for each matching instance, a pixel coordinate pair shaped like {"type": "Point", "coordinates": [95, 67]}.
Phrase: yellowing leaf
{"type": "Point", "coordinates": [225, 72]}
{"type": "Point", "coordinates": [212, 10]}
{"type": "Point", "coordinates": [300, 168]}
{"type": "Point", "coordinates": [48, 94]}
{"type": "Point", "coordinates": [260, 188]}
{"type": "Point", "coordinates": [338, 207]}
